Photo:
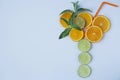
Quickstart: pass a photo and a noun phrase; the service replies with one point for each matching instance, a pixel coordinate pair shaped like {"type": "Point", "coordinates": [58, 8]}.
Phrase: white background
{"type": "Point", "coordinates": [30, 48]}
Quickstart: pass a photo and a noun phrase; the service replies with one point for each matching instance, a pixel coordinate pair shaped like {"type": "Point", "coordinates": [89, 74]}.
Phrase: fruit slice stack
{"type": "Point", "coordinates": [84, 58]}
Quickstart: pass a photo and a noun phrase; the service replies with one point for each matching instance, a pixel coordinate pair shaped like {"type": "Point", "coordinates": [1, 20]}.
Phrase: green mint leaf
{"type": "Point", "coordinates": [75, 5]}
{"type": "Point", "coordinates": [67, 10]}
{"type": "Point", "coordinates": [72, 18]}
{"type": "Point", "coordinates": [76, 27]}
{"type": "Point", "coordinates": [65, 33]}
{"type": "Point", "coordinates": [83, 9]}
{"type": "Point", "coordinates": [67, 22]}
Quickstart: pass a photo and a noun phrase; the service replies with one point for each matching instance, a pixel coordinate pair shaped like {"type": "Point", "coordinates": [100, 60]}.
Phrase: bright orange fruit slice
{"type": "Point", "coordinates": [102, 22]}
{"type": "Point", "coordinates": [66, 16]}
{"type": "Point", "coordinates": [87, 17]}
{"type": "Point", "coordinates": [75, 34]}
{"type": "Point", "coordinates": [94, 34]}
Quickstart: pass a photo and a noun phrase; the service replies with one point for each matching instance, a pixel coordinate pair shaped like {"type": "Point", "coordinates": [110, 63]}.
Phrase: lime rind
{"type": "Point", "coordinates": [84, 71]}
{"type": "Point", "coordinates": [84, 58]}
{"type": "Point", "coordinates": [84, 45]}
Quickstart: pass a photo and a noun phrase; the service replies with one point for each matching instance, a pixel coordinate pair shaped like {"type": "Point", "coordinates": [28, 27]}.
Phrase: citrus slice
{"type": "Point", "coordinates": [94, 34]}
{"type": "Point", "coordinates": [87, 17]}
{"type": "Point", "coordinates": [84, 58]}
{"type": "Point", "coordinates": [103, 22]}
{"type": "Point", "coordinates": [75, 34]}
{"type": "Point", "coordinates": [79, 21]}
{"type": "Point", "coordinates": [66, 16]}
{"type": "Point", "coordinates": [84, 71]}
{"type": "Point", "coordinates": [84, 45]}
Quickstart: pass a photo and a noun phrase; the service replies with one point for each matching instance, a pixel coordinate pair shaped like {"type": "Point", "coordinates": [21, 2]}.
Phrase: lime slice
{"type": "Point", "coordinates": [84, 71]}
{"type": "Point", "coordinates": [84, 58]}
{"type": "Point", "coordinates": [79, 21]}
{"type": "Point", "coordinates": [84, 45]}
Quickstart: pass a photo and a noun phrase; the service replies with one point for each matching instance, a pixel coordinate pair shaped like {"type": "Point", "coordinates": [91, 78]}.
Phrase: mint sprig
{"type": "Point", "coordinates": [65, 33]}
{"type": "Point", "coordinates": [66, 21]}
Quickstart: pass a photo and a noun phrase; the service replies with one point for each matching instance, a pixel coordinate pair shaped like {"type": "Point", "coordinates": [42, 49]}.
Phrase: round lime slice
{"type": "Point", "coordinates": [84, 58]}
{"type": "Point", "coordinates": [84, 71]}
{"type": "Point", "coordinates": [79, 21]}
{"type": "Point", "coordinates": [84, 45]}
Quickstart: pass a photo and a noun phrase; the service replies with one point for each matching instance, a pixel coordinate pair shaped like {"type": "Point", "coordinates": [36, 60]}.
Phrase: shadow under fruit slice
{"type": "Point", "coordinates": [84, 71]}
{"type": "Point", "coordinates": [84, 58]}
{"type": "Point", "coordinates": [94, 34]}
{"type": "Point", "coordinates": [87, 17]}
{"type": "Point", "coordinates": [75, 35]}
{"type": "Point", "coordinates": [84, 45]}
{"type": "Point", "coordinates": [66, 16]}
{"type": "Point", "coordinates": [103, 22]}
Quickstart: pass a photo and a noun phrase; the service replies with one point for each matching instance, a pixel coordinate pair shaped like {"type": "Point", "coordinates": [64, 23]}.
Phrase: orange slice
{"type": "Point", "coordinates": [94, 34]}
{"type": "Point", "coordinates": [75, 34]}
{"type": "Point", "coordinates": [102, 22]}
{"type": "Point", "coordinates": [66, 16]}
{"type": "Point", "coordinates": [87, 17]}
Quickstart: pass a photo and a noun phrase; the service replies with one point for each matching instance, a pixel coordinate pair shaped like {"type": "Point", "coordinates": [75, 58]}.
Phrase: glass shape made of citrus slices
{"type": "Point", "coordinates": [81, 27]}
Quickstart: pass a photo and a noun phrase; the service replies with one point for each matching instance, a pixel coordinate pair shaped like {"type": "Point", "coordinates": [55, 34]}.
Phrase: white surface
{"type": "Point", "coordinates": [30, 49]}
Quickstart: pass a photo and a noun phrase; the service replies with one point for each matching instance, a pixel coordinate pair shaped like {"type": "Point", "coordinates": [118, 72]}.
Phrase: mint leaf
{"type": "Point", "coordinates": [75, 5]}
{"type": "Point", "coordinates": [65, 33]}
{"type": "Point", "coordinates": [72, 18]}
{"type": "Point", "coordinates": [76, 27]}
{"type": "Point", "coordinates": [67, 22]}
{"type": "Point", "coordinates": [67, 10]}
{"type": "Point", "coordinates": [83, 9]}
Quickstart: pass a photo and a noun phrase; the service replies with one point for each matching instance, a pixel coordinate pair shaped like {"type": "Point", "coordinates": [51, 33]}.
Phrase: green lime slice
{"type": "Point", "coordinates": [84, 45]}
{"type": "Point", "coordinates": [84, 58]}
{"type": "Point", "coordinates": [84, 71]}
{"type": "Point", "coordinates": [79, 21]}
